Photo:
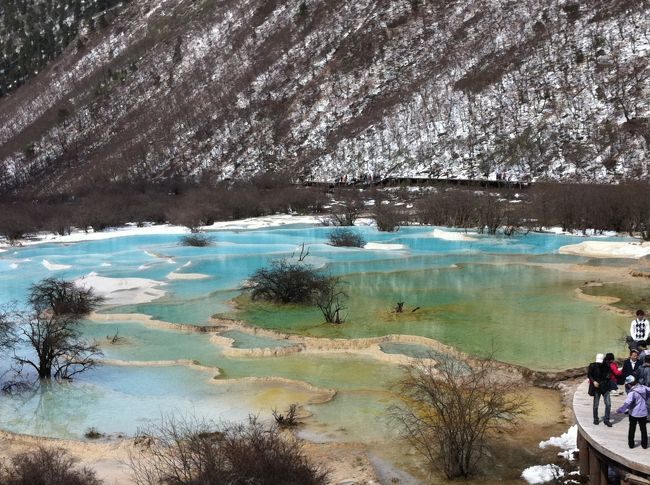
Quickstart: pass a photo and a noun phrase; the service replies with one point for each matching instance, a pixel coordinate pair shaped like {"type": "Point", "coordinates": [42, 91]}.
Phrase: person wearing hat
{"type": "Point", "coordinates": [638, 410]}
{"type": "Point", "coordinates": [599, 374]}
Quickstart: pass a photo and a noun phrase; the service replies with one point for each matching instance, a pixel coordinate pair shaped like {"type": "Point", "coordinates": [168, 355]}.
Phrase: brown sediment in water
{"type": "Point", "coordinates": [320, 394]}
{"type": "Point", "coordinates": [604, 300]}
{"type": "Point", "coordinates": [149, 321]}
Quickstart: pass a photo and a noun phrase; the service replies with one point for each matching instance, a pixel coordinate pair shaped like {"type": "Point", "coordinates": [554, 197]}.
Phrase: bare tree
{"type": "Point", "coordinates": [450, 410]}
{"type": "Point", "coordinates": [62, 297]}
{"type": "Point", "coordinates": [7, 329]}
{"type": "Point", "coordinates": [51, 331]}
{"type": "Point", "coordinates": [55, 340]}
{"type": "Point", "coordinates": [350, 207]}
{"type": "Point", "coordinates": [330, 300]}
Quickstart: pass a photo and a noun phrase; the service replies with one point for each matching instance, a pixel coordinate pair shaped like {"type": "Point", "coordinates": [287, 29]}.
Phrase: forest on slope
{"type": "Point", "coordinates": [322, 89]}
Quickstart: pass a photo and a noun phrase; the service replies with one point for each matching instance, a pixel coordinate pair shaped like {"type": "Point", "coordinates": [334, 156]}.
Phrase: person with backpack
{"type": "Point", "coordinates": [599, 374]}
{"type": "Point", "coordinates": [643, 372]}
{"type": "Point", "coordinates": [638, 410]}
{"type": "Point", "coordinates": [616, 374]}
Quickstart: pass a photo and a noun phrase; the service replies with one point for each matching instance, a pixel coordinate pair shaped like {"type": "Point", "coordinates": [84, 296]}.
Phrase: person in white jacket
{"type": "Point", "coordinates": [640, 327]}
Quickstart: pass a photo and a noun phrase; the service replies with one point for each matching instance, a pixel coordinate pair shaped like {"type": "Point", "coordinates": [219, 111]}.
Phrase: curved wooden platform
{"type": "Point", "coordinates": [601, 446]}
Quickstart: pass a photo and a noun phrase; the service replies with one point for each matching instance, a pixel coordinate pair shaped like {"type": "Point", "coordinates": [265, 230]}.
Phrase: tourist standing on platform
{"type": "Point", "coordinates": [638, 410]}
{"type": "Point", "coordinates": [631, 365]}
{"type": "Point", "coordinates": [600, 374]}
{"type": "Point", "coordinates": [640, 327]}
{"type": "Point", "coordinates": [643, 374]}
{"type": "Point", "coordinates": [610, 360]}
{"type": "Point", "coordinates": [642, 346]}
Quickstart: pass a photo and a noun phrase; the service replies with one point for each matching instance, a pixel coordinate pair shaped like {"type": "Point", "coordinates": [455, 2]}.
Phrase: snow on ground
{"type": "Point", "coordinates": [567, 442]}
{"type": "Point", "coordinates": [608, 249]}
{"type": "Point", "coordinates": [541, 473]}
{"type": "Point", "coordinates": [586, 233]}
{"type": "Point", "coordinates": [186, 276]}
{"type": "Point", "coordinates": [54, 266]}
{"type": "Point", "coordinates": [451, 236]}
{"type": "Point", "coordinates": [384, 246]}
{"type": "Point", "coordinates": [122, 291]}
{"type": "Point", "coordinates": [162, 229]}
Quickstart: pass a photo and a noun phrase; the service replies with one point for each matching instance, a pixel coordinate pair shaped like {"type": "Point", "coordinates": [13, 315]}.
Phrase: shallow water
{"type": "Point", "coordinates": [509, 296]}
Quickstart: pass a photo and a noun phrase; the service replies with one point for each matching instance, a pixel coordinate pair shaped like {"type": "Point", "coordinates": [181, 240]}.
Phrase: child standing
{"type": "Point", "coordinates": [636, 404]}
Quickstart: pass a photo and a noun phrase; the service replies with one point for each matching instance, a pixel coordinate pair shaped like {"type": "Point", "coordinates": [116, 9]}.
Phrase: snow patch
{"type": "Point", "coordinates": [384, 246]}
{"type": "Point", "coordinates": [186, 276]}
{"type": "Point", "coordinates": [567, 441]}
{"type": "Point", "coordinates": [607, 249]}
{"type": "Point", "coordinates": [541, 473]}
{"type": "Point", "coordinates": [122, 291]}
{"type": "Point", "coordinates": [451, 236]}
{"type": "Point", "coordinates": [54, 266]}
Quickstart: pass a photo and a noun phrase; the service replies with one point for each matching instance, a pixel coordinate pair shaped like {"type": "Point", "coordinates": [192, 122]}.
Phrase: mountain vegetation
{"type": "Point", "coordinates": [35, 32]}
{"type": "Point", "coordinates": [323, 89]}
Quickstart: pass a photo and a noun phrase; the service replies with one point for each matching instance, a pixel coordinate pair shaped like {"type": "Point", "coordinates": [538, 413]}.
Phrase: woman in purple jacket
{"type": "Point", "coordinates": [636, 404]}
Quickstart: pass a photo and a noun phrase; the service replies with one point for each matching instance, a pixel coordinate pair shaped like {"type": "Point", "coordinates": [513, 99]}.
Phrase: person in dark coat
{"type": "Point", "coordinates": [616, 374]}
{"type": "Point", "coordinates": [600, 384]}
{"type": "Point", "coordinates": [643, 372]}
{"type": "Point", "coordinates": [631, 365]}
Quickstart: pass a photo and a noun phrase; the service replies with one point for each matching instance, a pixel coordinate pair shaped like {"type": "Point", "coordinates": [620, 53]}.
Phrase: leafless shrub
{"type": "Point", "coordinates": [491, 214]}
{"type": "Point", "coordinates": [344, 237]}
{"type": "Point", "coordinates": [330, 301]}
{"type": "Point", "coordinates": [449, 412]}
{"type": "Point", "coordinates": [349, 207]}
{"type": "Point", "coordinates": [16, 222]}
{"type": "Point", "coordinates": [451, 208]}
{"type": "Point", "coordinates": [288, 420]}
{"type": "Point", "coordinates": [198, 240]}
{"type": "Point", "coordinates": [115, 338]}
{"type": "Point", "coordinates": [93, 434]}
{"type": "Point", "coordinates": [388, 217]}
{"type": "Point", "coordinates": [299, 283]}
{"type": "Point", "coordinates": [197, 453]}
{"type": "Point", "coordinates": [46, 466]}
{"type": "Point", "coordinates": [285, 282]}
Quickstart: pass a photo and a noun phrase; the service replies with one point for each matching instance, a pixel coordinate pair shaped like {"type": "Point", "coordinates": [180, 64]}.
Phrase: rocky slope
{"type": "Point", "coordinates": [321, 89]}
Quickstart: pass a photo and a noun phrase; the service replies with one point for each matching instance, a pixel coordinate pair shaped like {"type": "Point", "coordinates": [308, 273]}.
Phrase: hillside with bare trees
{"type": "Point", "coordinates": [327, 89]}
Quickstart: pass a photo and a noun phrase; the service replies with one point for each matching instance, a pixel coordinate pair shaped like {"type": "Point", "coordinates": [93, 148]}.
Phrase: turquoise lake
{"type": "Point", "coordinates": [514, 297]}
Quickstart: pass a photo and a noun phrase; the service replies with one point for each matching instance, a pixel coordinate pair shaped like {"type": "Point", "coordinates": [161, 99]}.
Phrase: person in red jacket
{"type": "Point", "coordinates": [616, 373]}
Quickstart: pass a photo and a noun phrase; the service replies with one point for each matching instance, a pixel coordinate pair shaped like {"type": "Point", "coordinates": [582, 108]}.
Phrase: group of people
{"type": "Point", "coordinates": [605, 377]}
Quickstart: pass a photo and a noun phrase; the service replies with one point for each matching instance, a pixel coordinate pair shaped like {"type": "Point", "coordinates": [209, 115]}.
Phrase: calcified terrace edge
{"type": "Point", "coordinates": [363, 347]}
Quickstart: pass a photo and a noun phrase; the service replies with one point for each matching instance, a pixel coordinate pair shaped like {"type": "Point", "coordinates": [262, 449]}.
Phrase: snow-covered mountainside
{"type": "Point", "coordinates": [333, 88]}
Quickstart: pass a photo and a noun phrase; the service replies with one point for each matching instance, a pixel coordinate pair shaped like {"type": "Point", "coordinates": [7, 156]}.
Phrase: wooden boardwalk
{"type": "Point", "coordinates": [610, 442]}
